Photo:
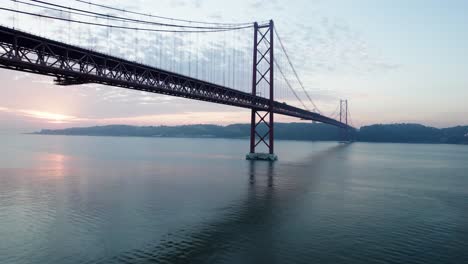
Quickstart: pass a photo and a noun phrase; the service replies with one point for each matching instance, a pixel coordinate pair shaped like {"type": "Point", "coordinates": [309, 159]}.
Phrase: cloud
{"type": "Point", "coordinates": [50, 117]}
{"type": "Point", "coordinates": [21, 76]}
{"type": "Point", "coordinates": [324, 45]}
{"type": "Point", "coordinates": [54, 13]}
{"type": "Point", "coordinates": [197, 3]}
{"type": "Point", "coordinates": [43, 115]}
{"type": "Point", "coordinates": [264, 4]}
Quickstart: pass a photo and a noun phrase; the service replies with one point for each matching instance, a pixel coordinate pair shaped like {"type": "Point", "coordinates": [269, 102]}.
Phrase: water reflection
{"type": "Point", "coordinates": [126, 200]}
{"type": "Point", "coordinates": [254, 166]}
{"type": "Point", "coordinates": [246, 232]}
{"type": "Point", "coordinates": [53, 165]}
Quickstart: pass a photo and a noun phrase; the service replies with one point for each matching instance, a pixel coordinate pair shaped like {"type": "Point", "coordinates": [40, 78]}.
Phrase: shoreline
{"type": "Point", "coordinates": [238, 138]}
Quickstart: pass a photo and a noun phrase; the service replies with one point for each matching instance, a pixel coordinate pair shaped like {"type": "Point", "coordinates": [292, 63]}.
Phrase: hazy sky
{"type": "Point", "coordinates": [395, 61]}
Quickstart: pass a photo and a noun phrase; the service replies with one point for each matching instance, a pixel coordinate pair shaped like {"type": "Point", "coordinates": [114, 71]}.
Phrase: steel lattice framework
{"type": "Point", "coordinates": [344, 131]}
{"type": "Point", "coordinates": [262, 72]}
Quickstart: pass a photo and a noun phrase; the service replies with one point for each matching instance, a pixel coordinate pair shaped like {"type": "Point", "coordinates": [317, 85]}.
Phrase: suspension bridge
{"type": "Point", "coordinates": [231, 64]}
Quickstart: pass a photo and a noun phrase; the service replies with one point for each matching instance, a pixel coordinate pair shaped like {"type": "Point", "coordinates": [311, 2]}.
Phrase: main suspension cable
{"type": "Point", "coordinates": [119, 27]}
{"type": "Point", "coordinates": [161, 17]}
{"type": "Point", "coordinates": [289, 85]}
{"type": "Point", "coordinates": [294, 71]}
{"type": "Point", "coordinates": [131, 20]}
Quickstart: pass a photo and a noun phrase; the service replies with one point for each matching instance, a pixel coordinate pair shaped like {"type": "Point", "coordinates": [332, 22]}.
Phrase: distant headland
{"type": "Point", "coordinates": [394, 133]}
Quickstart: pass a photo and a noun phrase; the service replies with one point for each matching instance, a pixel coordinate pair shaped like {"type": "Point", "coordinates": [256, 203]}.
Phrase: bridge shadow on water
{"type": "Point", "coordinates": [244, 232]}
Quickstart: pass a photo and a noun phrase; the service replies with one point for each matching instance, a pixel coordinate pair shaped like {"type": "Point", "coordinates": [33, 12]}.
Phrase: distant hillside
{"type": "Point", "coordinates": [400, 133]}
{"type": "Point", "coordinates": [413, 133]}
{"type": "Point", "coordinates": [293, 131]}
{"type": "Point", "coordinates": [397, 133]}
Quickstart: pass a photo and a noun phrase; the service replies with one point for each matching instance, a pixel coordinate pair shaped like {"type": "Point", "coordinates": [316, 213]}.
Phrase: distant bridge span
{"type": "Point", "coordinates": [71, 65]}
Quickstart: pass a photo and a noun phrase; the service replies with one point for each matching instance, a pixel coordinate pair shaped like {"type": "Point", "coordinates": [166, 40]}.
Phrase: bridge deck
{"type": "Point", "coordinates": [74, 65]}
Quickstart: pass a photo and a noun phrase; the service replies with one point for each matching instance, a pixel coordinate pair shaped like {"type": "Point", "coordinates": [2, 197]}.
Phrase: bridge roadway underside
{"type": "Point", "coordinates": [72, 65]}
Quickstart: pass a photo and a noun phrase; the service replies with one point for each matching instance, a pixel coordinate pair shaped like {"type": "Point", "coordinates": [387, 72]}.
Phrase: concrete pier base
{"type": "Point", "coordinates": [261, 156]}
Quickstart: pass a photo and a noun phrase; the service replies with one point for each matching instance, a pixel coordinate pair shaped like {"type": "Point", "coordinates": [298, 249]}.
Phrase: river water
{"type": "Point", "coordinates": [168, 200]}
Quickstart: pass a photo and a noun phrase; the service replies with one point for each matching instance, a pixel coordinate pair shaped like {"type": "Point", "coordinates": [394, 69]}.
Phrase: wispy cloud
{"type": "Point", "coordinates": [43, 115]}
{"type": "Point", "coordinates": [333, 46]}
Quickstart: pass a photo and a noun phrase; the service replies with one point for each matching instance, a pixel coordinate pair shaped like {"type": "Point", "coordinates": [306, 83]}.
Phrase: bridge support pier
{"type": "Point", "coordinates": [262, 131]}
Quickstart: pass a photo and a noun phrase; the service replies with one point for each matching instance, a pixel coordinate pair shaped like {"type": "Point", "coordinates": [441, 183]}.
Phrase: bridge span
{"type": "Point", "coordinates": [72, 65]}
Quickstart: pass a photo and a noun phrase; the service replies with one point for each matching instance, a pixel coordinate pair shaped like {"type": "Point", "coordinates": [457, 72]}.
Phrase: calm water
{"type": "Point", "coordinates": [142, 200]}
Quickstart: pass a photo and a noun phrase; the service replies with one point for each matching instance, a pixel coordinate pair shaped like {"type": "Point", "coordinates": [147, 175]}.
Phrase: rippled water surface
{"type": "Point", "coordinates": [145, 200]}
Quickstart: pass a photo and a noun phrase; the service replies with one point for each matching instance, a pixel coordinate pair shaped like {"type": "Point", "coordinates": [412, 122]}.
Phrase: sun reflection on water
{"type": "Point", "coordinates": [54, 165]}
